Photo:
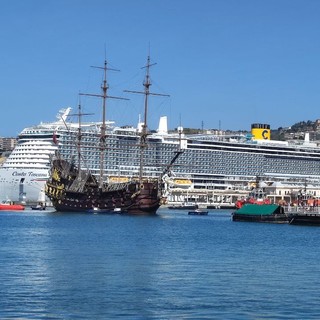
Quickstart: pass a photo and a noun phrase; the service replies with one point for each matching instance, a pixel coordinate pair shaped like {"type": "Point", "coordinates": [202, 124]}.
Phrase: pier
{"type": "Point", "coordinates": [205, 198]}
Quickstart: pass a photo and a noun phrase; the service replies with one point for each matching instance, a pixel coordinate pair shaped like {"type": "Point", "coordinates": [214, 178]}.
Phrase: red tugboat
{"type": "Point", "coordinates": [242, 202]}
{"type": "Point", "coordinates": [73, 189]}
{"type": "Point", "coordinates": [256, 196]}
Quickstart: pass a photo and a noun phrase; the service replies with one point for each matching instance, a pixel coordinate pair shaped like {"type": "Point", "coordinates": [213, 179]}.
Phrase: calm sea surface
{"type": "Point", "coordinates": [172, 266]}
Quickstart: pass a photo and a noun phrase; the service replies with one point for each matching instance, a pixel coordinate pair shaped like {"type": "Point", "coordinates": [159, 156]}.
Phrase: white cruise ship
{"type": "Point", "coordinates": [209, 162]}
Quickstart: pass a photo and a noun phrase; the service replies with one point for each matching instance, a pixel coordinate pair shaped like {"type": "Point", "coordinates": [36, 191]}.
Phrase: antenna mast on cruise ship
{"type": "Point", "coordinates": [104, 95]}
{"type": "Point", "coordinates": [146, 92]}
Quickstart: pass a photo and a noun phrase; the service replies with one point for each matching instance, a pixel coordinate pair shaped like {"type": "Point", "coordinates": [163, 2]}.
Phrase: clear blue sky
{"type": "Point", "coordinates": [227, 62]}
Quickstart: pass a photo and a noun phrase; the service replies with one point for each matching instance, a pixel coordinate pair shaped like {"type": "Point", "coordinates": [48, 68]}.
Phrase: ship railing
{"type": "Point", "coordinates": [302, 209]}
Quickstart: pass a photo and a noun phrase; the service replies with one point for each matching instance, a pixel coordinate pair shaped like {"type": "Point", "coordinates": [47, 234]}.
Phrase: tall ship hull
{"type": "Point", "coordinates": [69, 194]}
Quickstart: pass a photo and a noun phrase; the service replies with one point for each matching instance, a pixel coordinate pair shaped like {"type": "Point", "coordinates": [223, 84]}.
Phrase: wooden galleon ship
{"type": "Point", "coordinates": [74, 189]}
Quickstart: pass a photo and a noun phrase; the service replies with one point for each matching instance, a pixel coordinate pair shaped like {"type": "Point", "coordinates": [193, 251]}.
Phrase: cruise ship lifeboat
{"type": "Point", "coordinates": [182, 183]}
{"type": "Point", "coordinates": [10, 206]}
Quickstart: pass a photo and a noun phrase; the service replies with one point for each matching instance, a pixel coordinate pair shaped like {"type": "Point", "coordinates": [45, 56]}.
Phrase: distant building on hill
{"type": "Point", "coordinates": [7, 144]}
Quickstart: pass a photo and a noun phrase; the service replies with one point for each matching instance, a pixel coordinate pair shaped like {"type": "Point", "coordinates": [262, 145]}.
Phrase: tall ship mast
{"type": "Point", "coordinates": [144, 133]}
{"type": "Point", "coordinates": [104, 96]}
{"type": "Point", "coordinates": [79, 115]}
{"type": "Point", "coordinates": [71, 188]}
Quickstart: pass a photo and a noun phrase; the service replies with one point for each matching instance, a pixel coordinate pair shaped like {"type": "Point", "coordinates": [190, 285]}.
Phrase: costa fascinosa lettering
{"type": "Point", "coordinates": [28, 174]}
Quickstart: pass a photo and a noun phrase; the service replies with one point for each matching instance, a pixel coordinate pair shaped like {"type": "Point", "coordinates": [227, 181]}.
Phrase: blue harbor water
{"type": "Point", "coordinates": [172, 266]}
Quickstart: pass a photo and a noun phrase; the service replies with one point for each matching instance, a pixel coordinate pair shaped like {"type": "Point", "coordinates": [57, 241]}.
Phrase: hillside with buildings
{"type": "Point", "coordinates": [7, 144]}
{"type": "Point", "coordinates": [295, 132]}
{"type": "Point", "coordinates": [298, 130]}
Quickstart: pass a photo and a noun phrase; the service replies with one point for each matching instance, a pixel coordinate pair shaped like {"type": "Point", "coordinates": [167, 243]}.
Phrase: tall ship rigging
{"type": "Point", "coordinates": [72, 188]}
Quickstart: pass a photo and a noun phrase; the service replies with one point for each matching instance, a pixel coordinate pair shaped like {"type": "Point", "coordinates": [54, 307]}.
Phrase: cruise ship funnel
{"type": "Point", "coordinates": [260, 131]}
